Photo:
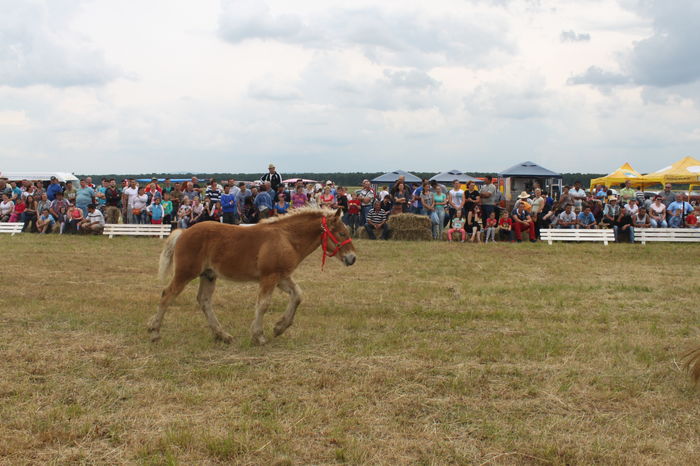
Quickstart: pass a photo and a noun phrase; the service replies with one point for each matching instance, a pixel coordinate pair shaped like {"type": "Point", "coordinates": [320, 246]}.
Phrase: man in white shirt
{"type": "Point", "coordinates": [94, 222]}
{"type": "Point", "coordinates": [578, 194]}
{"type": "Point", "coordinates": [128, 195]}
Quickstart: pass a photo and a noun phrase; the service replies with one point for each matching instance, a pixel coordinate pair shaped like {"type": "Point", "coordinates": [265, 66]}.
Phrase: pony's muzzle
{"type": "Point", "coordinates": [349, 259]}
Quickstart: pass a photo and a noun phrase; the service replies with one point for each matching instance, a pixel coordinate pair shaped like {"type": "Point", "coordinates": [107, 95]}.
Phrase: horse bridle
{"type": "Point", "coordinates": [328, 235]}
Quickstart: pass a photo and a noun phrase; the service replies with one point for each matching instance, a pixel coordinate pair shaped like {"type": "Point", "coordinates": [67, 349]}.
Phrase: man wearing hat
{"type": "Point", "coordinates": [273, 177]}
{"type": "Point", "coordinates": [54, 187]}
{"type": "Point", "coordinates": [610, 212]}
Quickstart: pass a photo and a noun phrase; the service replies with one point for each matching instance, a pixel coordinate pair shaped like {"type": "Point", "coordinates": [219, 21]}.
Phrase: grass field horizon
{"type": "Point", "coordinates": [422, 352]}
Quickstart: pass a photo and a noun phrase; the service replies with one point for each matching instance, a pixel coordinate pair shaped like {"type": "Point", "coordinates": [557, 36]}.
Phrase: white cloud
{"type": "Point", "coordinates": [37, 46]}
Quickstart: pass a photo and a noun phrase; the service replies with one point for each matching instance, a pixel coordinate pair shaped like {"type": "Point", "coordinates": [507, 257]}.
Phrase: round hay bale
{"type": "Point", "coordinates": [362, 233]}
{"type": "Point", "coordinates": [410, 227]}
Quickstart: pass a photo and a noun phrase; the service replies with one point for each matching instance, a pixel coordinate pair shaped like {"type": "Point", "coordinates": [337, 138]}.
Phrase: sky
{"type": "Point", "coordinates": [323, 86]}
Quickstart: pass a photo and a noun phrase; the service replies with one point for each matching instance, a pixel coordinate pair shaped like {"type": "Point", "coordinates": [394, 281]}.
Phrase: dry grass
{"type": "Point", "coordinates": [421, 353]}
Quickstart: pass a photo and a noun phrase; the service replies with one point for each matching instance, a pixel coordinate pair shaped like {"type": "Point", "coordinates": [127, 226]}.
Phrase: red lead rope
{"type": "Point", "coordinates": [325, 236]}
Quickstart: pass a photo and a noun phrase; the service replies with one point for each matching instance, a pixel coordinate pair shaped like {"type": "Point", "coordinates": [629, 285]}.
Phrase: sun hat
{"type": "Point", "coordinates": [272, 165]}
{"type": "Point", "coordinates": [523, 195]}
{"type": "Point", "coordinates": [612, 198]}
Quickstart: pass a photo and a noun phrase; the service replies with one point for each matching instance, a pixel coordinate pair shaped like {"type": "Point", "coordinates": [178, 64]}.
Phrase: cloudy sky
{"type": "Point", "coordinates": [324, 85]}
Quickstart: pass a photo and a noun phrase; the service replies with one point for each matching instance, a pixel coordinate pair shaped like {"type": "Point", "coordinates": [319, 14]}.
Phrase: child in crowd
{"type": "Point", "coordinates": [691, 221]}
{"type": "Point", "coordinates": [45, 222]}
{"type": "Point", "coordinates": [281, 206]}
{"type": "Point", "coordinates": [156, 211]}
{"type": "Point", "coordinates": [457, 225]}
{"type": "Point", "coordinates": [354, 215]}
{"type": "Point", "coordinates": [505, 228]}
{"type": "Point", "coordinates": [475, 224]}
{"type": "Point", "coordinates": [491, 225]}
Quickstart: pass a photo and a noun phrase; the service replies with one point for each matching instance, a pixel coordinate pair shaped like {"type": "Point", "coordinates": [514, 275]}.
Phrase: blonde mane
{"type": "Point", "coordinates": [300, 211]}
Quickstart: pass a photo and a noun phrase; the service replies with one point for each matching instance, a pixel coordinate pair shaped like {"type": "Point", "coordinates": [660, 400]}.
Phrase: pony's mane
{"type": "Point", "coordinates": [307, 211]}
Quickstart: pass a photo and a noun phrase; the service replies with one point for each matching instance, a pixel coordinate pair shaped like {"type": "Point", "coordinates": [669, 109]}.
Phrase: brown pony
{"type": "Point", "coordinates": [268, 253]}
{"type": "Point", "coordinates": [692, 363]}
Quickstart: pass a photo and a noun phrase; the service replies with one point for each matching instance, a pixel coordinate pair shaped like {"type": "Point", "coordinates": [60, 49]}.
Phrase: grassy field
{"type": "Point", "coordinates": [420, 353]}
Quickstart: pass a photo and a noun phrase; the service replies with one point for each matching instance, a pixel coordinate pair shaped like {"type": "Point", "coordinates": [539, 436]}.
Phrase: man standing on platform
{"type": "Point", "coordinates": [274, 178]}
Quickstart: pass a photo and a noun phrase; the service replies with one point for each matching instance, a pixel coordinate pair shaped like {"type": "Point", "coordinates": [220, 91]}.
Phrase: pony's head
{"type": "Point", "coordinates": [336, 239]}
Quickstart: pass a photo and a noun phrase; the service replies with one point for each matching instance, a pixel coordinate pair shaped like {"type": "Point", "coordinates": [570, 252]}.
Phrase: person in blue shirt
{"type": "Point", "coordinates": [586, 219]}
{"type": "Point", "coordinates": [84, 196]}
{"type": "Point", "coordinates": [263, 201]}
{"type": "Point", "coordinates": [679, 205]}
{"type": "Point", "coordinates": [229, 206]}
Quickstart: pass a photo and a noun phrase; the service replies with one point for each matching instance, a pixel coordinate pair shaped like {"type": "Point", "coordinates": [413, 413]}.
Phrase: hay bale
{"type": "Point", "coordinates": [410, 227]}
{"type": "Point", "coordinates": [362, 233]}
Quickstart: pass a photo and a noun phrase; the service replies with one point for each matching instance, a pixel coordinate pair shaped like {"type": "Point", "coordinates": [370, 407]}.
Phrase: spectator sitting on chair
{"type": "Point", "coordinates": [586, 219]}
{"type": "Point", "coordinates": [641, 219]}
{"type": "Point", "coordinates": [632, 206]}
{"type": "Point", "coordinates": [567, 219]}
{"type": "Point", "coordinates": [376, 222]}
{"type": "Point", "coordinates": [45, 222]}
{"type": "Point", "coordinates": [30, 215]}
{"type": "Point", "coordinates": [610, 213]}
{"type": "Point", "coordinates": [94, 222]}
{"type": "Point", "coordinates": [475, 224]}
{"type": "Point", "coordinates": [491, 226]}
{"type": "Point", "coordinates": [657, 210]}
{"type": "Point", "coordinates": [523, 221]}
{"type": "Point", "coordinates": [625, 228]}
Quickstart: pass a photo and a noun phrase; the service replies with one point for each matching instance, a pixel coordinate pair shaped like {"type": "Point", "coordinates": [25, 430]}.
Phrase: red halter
{"type": "Point", "coordinates": [325, 236]}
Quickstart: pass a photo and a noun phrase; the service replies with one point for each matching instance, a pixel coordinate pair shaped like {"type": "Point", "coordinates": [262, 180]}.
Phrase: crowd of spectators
{"type": "Point", "coordinates": [466, 213]}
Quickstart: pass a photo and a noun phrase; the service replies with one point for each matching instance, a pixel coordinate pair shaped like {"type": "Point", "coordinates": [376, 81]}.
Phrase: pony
{"type": "Point", "coordinates": [267, 253]}
{"type": "Point", "coordinates": [692, 363]}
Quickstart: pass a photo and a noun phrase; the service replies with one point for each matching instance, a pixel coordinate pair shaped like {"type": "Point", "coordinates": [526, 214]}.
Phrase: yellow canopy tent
{"type": "Point", "coordinates": [622, 174]}
{"type": "Point", "coordinates": [685, 171]}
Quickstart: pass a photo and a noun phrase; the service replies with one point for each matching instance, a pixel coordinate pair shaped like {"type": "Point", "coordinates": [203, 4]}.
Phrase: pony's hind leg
{"type": "Point", "coordinates": [207, 284]}
{"type": "Point", "coordinates": [290, 287]}
{"type": "Point", "coordinates": [267, 286]}
{"type": "Point", "coordinates": [167, 296]}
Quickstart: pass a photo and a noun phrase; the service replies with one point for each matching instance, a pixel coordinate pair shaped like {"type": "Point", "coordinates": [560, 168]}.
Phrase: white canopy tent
{"type": "Point", "coordinates": [38, 176]}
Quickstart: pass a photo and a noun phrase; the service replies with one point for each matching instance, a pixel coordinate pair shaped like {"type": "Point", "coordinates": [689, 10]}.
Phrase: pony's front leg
{"type": "Point", "coordinates": [267, 286]}
{"type": "Point", "coordinates": [292, 289]}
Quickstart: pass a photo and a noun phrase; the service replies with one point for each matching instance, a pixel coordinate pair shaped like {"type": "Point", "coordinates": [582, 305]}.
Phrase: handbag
{"type": "Point", "coordinates": [136, 211]}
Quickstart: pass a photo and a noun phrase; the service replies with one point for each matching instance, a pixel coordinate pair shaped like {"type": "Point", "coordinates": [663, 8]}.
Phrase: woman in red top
{"type": "Point", "coordinates": [18, 210]}
{"type": "Point", "coordinates": [73, 217]}
{"type": "Point", "coordinates": [327, 199]}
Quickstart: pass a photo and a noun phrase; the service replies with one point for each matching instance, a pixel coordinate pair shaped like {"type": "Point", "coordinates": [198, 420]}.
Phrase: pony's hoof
{"type": "Point", "coordinates": [155, 337]}
{"type": "Point", "coordinates": [225, 337]}
{"type": "Point", "coordinates": [259, 340]}
{"type": "Point", "coordinates": [279, 329]}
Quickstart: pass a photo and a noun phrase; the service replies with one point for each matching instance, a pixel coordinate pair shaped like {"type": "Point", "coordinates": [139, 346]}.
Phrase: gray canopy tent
{"type": "Point", "coordinates": [391, 177]}
{"type": "Point", "coordinates": [451, 175]}
{"type": "Point", "coordinates": [524, 176]}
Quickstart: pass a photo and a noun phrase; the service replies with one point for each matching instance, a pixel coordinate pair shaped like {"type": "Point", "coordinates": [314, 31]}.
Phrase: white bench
{"type": "Point", "coordinates": [671, 235]}
{"type": "Point", "coordinates": [556, 234]}
{"type": "Point", "coordinates": [11, 227]}
{"type": "Point", "coordinates": [118, 229]}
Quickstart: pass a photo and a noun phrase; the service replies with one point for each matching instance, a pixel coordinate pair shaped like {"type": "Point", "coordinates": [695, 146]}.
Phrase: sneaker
{"type": "Point", "coordinates": [533, 240]}
{"type": "Point", "coordinates": [520, 241]}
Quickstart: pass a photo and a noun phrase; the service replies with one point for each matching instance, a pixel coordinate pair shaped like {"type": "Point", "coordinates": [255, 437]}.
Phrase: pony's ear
{"type": "Point", "coordinates": [338, 212]}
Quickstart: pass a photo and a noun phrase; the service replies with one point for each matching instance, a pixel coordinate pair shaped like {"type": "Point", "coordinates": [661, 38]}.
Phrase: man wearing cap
{"type": "Point", "coordinates": [54, 187]}
{"type": "Point", "coordinates": [522, 222]}
{"type": "Point", "coordinates": [273, 177]}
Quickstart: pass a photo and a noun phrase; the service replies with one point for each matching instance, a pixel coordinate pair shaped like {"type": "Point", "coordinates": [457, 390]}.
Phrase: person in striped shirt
{"type": "Point", "coordinates": [376, 222]}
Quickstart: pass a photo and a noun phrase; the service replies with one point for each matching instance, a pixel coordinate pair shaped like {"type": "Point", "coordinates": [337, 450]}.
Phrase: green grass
{"type": "Point", "coordinates": [425, 353]}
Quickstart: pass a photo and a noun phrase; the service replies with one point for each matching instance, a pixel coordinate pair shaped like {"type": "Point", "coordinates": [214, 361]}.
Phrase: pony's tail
{"type": "Point", "coordinates": [165, 266]}
{"type": "Point", "coordinates": [692, 363]}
